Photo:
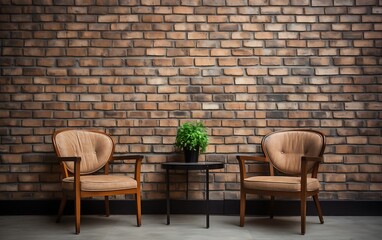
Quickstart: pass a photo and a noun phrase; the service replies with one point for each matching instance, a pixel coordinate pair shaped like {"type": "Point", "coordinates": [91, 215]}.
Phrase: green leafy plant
{"type": "Point", "coordinates": [191, 136]}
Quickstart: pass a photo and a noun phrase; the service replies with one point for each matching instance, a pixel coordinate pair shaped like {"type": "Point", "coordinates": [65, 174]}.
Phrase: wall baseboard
{"type": "Point", "coordinates": [217, 207]}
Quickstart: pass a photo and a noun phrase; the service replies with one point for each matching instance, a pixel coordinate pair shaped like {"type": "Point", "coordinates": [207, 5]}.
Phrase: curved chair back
{"type": "Point", "coordinates": [284, 149]}
{"type": "Point", "coordinates": [94, 148]}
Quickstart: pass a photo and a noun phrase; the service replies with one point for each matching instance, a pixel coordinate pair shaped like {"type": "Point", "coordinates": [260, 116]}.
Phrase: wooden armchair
{"type": "Point", "coordinates": [81, 154]}
{"type": "Point", "coordinates": [294, 154]}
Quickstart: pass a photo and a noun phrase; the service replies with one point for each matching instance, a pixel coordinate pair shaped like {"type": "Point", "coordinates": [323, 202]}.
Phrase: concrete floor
{"type": "Point", "coordinates": [188, 227]}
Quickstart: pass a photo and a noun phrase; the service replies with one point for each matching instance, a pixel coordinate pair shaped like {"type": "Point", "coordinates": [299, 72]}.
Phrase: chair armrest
{"type": "Point", "coordinates": [305, 160]}
{"type": "Point", "coordinates": [138, 162]}
{"type": "Point", "coordinates": [77, 171]}
{"type": "Point", "coordinates": [304, 171]}
{"type": "Point", "coordinates": [65, 171]}
{"type": "Point", "coordinates": [243, 159]}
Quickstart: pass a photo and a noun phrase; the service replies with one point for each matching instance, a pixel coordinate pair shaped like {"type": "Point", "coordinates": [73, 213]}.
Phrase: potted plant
{"type": "Point", "coordinates": [192, 138]}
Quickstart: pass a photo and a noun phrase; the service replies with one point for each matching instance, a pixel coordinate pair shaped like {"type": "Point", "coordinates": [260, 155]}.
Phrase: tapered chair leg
{"type": "Point", "coordinates": [138, 203]}
{"type": "Point", "coordinates": [107, 206]}
{"type": "Point", "coordinates": [318, 207]}
{"type": "Point", "coordinates": [303, 216]}
{"type": "Point", "coordinates": [242, 208]}
{"type": "Point", "coordinates": [78, 213]}
{"type": "Point", "coordinates": [62, 207]}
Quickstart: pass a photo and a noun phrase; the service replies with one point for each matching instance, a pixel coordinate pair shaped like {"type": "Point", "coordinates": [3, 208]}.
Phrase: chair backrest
{"type": "Point", "coordinates": [94, 148]}
{"type": "Point", "coordinates": [285, 148]}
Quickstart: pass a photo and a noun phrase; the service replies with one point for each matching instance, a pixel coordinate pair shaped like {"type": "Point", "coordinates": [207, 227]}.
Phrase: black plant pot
{"type": "Point", "coordinates": [191, 156]}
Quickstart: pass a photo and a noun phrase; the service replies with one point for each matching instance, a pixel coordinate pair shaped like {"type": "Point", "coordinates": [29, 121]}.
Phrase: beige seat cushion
{"type": "Point", "coordinates": [101, 183]}
{"type": "Point", "coordinates": [279, 183]}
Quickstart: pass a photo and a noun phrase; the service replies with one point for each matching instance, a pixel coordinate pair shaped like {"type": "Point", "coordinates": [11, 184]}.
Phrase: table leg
{"type": "Point", "coordinates": [168, 195]}
{"type": "Point", "coordinates": [207, 199]}
{"type": "Point", "coordinates": [186, 184]}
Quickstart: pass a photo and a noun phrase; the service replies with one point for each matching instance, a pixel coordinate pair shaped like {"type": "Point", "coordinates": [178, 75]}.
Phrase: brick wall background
{"type": "Point", "coordinates": [137, 69]}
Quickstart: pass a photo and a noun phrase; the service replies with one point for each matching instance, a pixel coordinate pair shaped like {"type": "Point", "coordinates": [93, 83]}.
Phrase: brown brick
{"type": "Point", "coordinates": [220, 52]}
{"type": "Point", "coordinates": [199, 53]}
{"type": "Point", "coordinates": [230, 44]}
{"type": "Point", "coordinates": [233, 71]}
{"type": "Point", "coordinates": [242, 52]}
{"type": "Point", "coordinates": [204, 62]}
{"type": "Point", "coordinates": [138, 69]}
{"type": "Point", "coordinates": [189, 71]}
{"type": "Point", "coordinates": [227, 61]}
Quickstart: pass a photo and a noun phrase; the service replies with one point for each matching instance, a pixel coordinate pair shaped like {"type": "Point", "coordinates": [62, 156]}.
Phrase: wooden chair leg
{"type": "Point", "coordinates": [318, 207]}
{"type": "Point", "coordinates": [242, 208]}
{"type": "Point", "coordinates": [138, 203]}
{"type": "Point", "coordinates": [78, 212]}
{"type": "Point", "coordinates": [107, 206]}
{"type": "Point", "coordinates": [271, 208]}
{"type": "Point", "coordinates": [62, 207]}
{"type": "Point", "coordinates": [303, 216]}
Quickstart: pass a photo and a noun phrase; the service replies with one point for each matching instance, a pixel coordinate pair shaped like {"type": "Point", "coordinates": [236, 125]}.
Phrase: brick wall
{"type": "Point", "coordinates": [137, 69]}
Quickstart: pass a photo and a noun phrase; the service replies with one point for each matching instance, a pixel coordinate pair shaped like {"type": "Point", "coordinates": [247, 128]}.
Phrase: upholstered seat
{"type": "Point", "coordinates": [292, 155]}
{"type": "Point", "coordinates": [83, 154]}
{"type": "Point", "coordinates": [280, 183]}
{"type": "Point", "coordinates": [101, 183]}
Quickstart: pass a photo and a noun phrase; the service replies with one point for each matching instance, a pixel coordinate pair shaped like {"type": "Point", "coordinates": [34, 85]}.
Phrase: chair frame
{"type": "Point", "coordinates": [78, 193]}
{"type": "Point", "coordinates": [301, 195]}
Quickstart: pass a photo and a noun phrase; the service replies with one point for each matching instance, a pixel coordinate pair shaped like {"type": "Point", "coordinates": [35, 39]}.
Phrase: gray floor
{"type": "Point", "coordinates": [188, 227]}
